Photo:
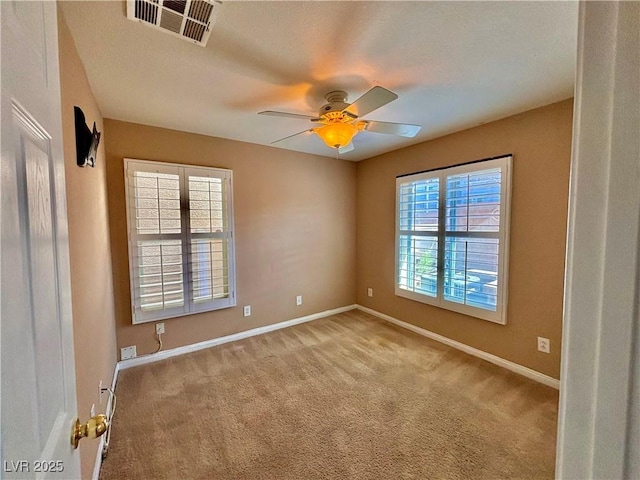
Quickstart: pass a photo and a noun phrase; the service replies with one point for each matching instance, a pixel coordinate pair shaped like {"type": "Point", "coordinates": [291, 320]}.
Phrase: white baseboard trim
{"type": "Point", "coordinates": [501, 362]}
{"type": "Point", "coordinates": [174, 352]}
{"type": "Point", "coordinates": [98, 462]}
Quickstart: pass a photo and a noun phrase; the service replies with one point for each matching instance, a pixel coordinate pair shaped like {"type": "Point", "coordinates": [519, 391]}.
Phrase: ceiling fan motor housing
{"type": "Point", "coordinates": [337, 103]}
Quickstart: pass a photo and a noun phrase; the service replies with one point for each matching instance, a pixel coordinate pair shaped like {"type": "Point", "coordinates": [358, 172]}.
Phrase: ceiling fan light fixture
{"type": "Point", "coordinates": [337, 135]}
{"type": "Point", "coordinates": [340, 121]}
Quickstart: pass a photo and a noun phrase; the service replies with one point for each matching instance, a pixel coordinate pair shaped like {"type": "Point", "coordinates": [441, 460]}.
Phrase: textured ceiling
{"type": "Point", "coordinates": [454, 65]}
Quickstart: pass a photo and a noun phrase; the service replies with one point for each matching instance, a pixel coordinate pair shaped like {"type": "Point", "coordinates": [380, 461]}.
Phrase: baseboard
{"type": "Point", "coordinates": [98, 462]}
{"type": "Point", "coordinates": [174, 352]}
{"type": "Point", "coordinates": [501, 362]}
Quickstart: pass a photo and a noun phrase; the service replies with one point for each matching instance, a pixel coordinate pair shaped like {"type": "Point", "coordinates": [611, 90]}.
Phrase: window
{"type": "Point", "coordinates": [181, 249]}
{"type": "Point", "coordinates": [452, 232]}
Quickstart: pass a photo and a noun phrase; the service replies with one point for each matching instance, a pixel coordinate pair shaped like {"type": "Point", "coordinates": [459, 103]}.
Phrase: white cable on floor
{"type": "Point", "coordinates": [113, 398]}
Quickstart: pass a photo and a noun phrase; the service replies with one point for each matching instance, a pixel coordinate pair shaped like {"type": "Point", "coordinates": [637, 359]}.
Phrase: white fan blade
{"type": "Point", "coordinates": [400, 129]}
{"type": "Point", "coordinates": [346, 149]}
{"type": "Point", "coordinates": [289, 115]}
{"type": "Point", "coordinates": [370, 101]}
{"type": "Point", "coordinates": [307, 132]}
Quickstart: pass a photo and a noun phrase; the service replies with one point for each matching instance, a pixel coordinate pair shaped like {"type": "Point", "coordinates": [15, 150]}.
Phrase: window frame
{"type": "Point", "coordinates": [505, 163]}
{"type": "Point", "coordinates": [189, 307]}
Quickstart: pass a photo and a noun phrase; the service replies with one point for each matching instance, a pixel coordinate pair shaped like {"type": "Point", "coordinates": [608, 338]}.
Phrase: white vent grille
{"type": "Point", "coordinates": [188, 19]}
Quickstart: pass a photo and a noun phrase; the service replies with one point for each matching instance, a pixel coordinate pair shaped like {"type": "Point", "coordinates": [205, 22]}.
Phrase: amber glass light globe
{"type": "Point", "coordinates": [337, 135]}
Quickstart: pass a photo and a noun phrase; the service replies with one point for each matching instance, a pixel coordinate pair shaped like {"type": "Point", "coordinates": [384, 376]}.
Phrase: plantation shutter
{"type": "Point", "coordinates": [180, 239]}
{"type": "Point", "coordinates": [418, 216]}
{"type": "Point", "coordinates": [452, 240]}
{"type": "Point", "coordinates": [472, 238]}
{"type": "Point", "coordinates": [209, 237]}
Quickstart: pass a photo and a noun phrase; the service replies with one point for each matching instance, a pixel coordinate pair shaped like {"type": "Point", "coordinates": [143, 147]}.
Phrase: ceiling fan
{"type": "Point", "coordinates": [341, 121]}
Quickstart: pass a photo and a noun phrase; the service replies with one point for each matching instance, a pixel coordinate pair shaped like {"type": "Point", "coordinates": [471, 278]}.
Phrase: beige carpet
{"type": "Point", "coordinates": [345, 397]}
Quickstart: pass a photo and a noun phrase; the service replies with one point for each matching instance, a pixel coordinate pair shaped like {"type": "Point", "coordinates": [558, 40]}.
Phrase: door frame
{"type": "Point", "coordinates": [599, 415]}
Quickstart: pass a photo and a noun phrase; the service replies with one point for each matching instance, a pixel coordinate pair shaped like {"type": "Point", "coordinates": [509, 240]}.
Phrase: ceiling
{"type": "Point", "coordinates": [454, 65]}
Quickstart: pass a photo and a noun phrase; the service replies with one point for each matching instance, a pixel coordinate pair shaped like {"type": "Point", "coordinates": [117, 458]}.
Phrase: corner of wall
{"type": "Point", "coordinates": [540, 141]}
{"type": "Point", "coordinates": [90, 257]}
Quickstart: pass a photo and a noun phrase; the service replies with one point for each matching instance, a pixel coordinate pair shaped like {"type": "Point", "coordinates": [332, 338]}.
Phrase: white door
{"type": "Point", "coordinates": [38, 402]}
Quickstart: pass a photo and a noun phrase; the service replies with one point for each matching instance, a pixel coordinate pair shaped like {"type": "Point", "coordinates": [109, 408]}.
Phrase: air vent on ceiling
{"type": "Point", "coordinates": [188, 19]}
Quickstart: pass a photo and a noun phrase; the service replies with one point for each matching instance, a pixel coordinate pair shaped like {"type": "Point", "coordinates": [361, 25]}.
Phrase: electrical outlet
{"type": "Point", "coordinates": [128, 352]}
{"type": "Point", "coordinates": [299, 300]}
{"type": "Point", "coordinates": [93, 410]}
{"type": "Point", "coordinates": [544, 345]}
{"type": "Point", "coordinates": [370, 292]}
{"type": "Point", "coordinates": [100, 390]}
{"type": "Point", "coordinates": [246, 311]}
{"type": "Point", "coordinates": [160, 328]}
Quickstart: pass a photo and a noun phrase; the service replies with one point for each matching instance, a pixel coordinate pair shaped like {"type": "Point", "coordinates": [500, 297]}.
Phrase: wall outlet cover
{"type": "Point", "coordinates": [160, 328]}
{"type": "Point", "coordinates": [128, 352]}
{"type": "Point", "coordinates": [544, 345]}
{"type": "Point", "coordinates": [299, 300]}
{"type": "Point", "coordinates": [370, 292]}
{"type": "Point", "coordinates": [246, 311]}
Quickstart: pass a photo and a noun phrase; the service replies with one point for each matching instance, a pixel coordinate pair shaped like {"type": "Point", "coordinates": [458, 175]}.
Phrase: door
{"type": "Point", "coordinates": [38, 400]}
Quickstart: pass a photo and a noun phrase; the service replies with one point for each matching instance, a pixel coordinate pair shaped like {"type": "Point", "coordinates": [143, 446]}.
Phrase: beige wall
{"type": "Point", "coordinates": [540, 141]}
{"type": "Point", "coordinates": [296, 218]}
{"type": "Point", "coordinates": [294, 222]}
{"type": "Point", "coordinates": [90, 257]}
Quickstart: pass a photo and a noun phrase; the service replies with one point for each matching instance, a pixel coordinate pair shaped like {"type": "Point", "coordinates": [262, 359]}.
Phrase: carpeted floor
{"type": "Point", "coordinates": [344, 397]}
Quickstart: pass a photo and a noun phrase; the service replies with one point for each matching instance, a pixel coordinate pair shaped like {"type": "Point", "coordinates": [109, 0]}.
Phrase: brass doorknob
{"type": "Point", "coordinates": [94, 427]}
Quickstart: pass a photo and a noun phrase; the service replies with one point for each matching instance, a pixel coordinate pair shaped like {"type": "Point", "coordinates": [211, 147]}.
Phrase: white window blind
{"type": "Point", "coordinates": [418, 211]}
{"type": "Point", "coordinates": [452, 237]}
{"type": "Point", "coordinates": [181, 251]}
